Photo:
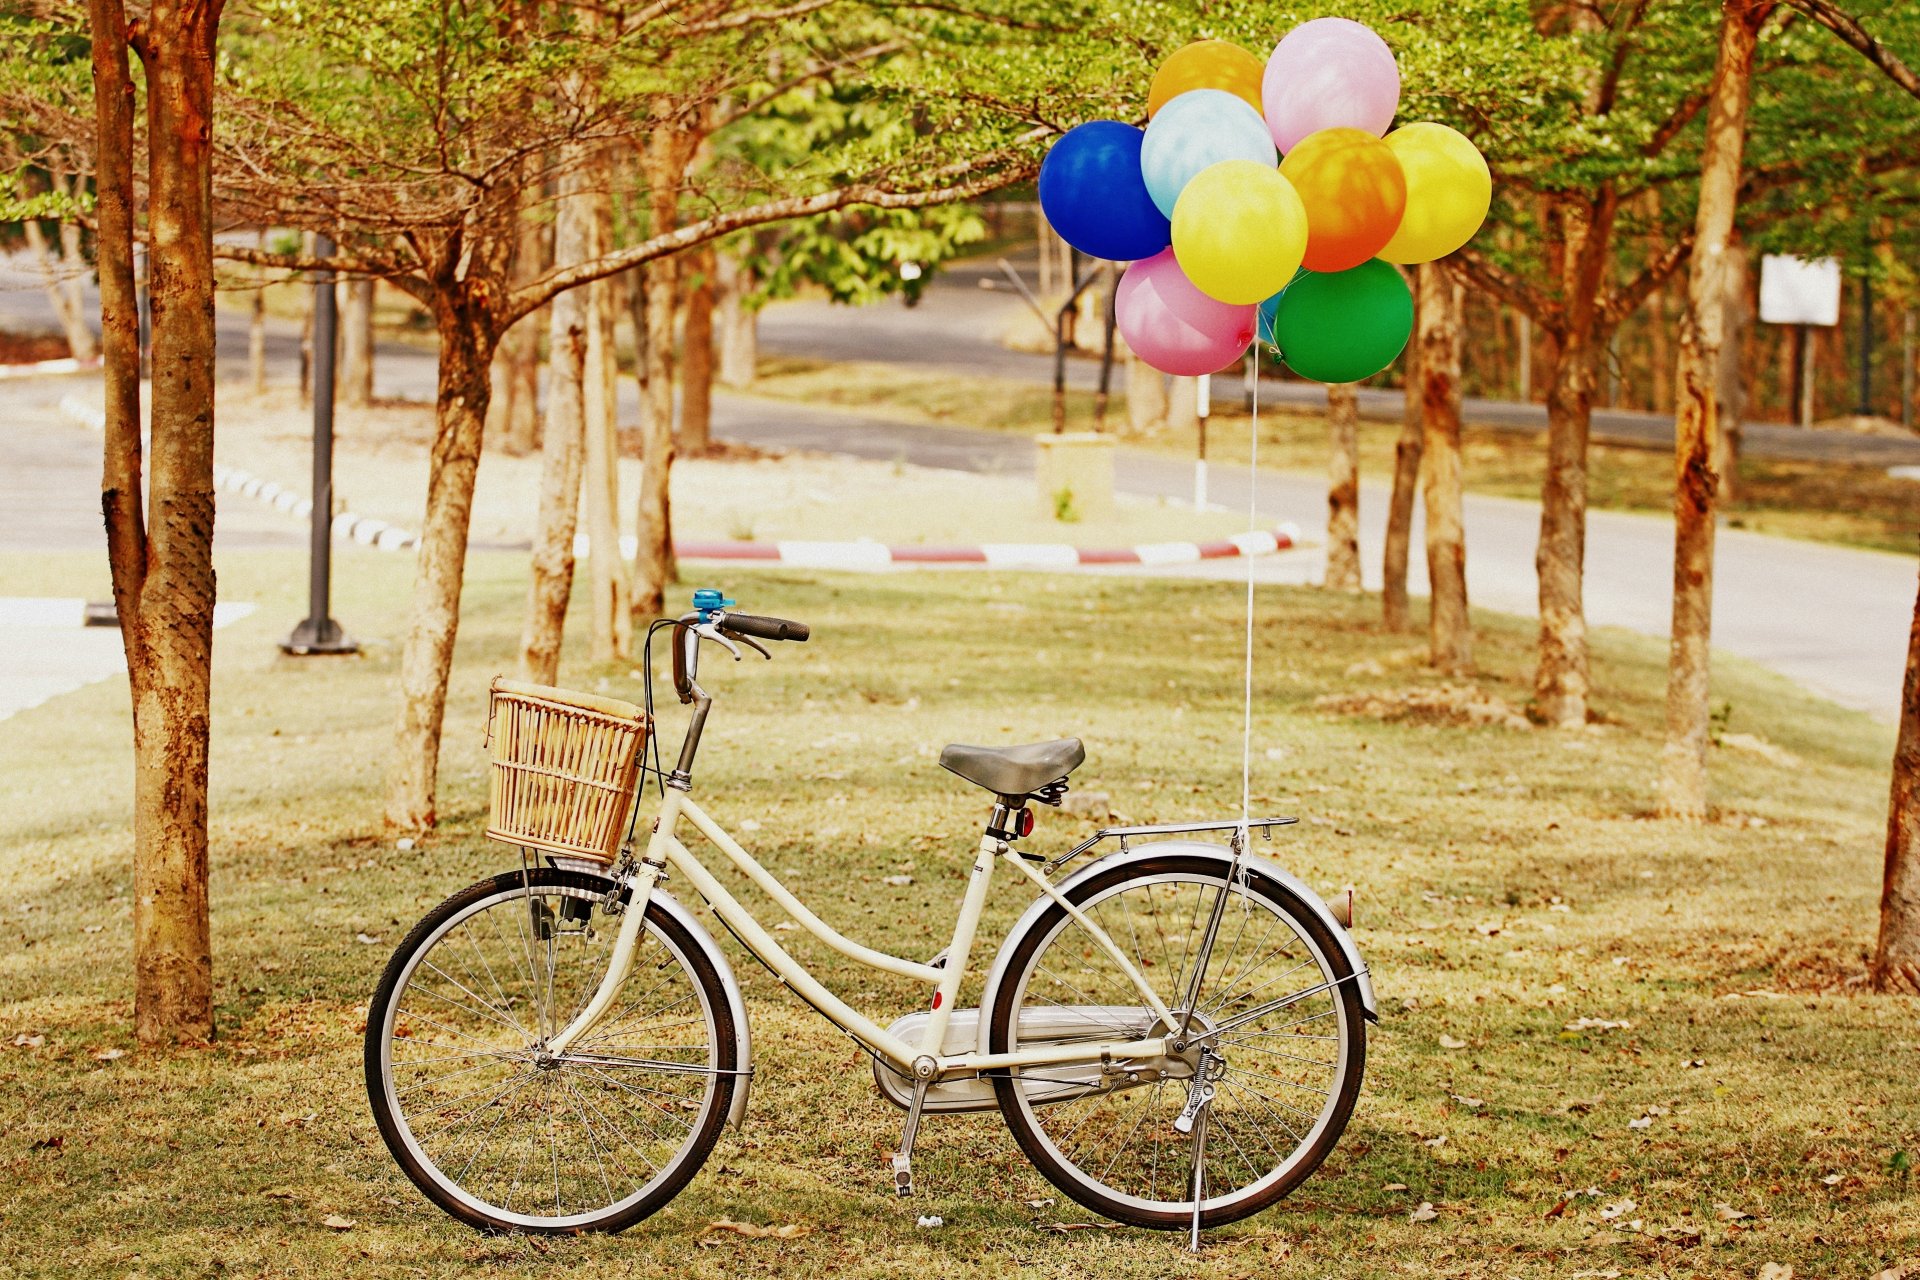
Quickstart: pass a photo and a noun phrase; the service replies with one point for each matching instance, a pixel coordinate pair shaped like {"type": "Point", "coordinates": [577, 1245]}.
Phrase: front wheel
{"type": "Point", "coordinates": [1277, 1013]}
{"type": "Point", "coordinates": [507, 1136]}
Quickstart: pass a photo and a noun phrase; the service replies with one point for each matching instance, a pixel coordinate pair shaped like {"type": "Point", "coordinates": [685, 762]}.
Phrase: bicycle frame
{"type": "Point", "coordinates": [925, 1060]}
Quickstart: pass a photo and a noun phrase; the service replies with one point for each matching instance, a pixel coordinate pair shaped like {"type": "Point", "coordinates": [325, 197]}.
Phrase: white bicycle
{"type": "Point", "coordinates": [1175, 1032]}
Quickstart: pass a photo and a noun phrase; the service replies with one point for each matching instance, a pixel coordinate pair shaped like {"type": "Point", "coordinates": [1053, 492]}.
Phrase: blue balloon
{"type": "Point", "coordinates": [1092, 194]}
{"type": "Point", "coordinates": [1263, 322]}
{"type": "Point", "coordinates": [1199, 128]}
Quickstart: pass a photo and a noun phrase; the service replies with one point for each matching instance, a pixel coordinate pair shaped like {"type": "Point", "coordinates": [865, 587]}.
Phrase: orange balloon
{"type": "Point", "coordinates": [1207, 64]}
{"type": "Point", "coordinates": [1355, 194]}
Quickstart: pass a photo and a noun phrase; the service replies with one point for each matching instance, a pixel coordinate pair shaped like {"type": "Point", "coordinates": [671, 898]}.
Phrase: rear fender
{"type": "Point", "coordinates": [1256, 866]}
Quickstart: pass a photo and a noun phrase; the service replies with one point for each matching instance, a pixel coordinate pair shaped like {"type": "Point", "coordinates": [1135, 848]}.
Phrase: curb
{"type": "Point", "coordinates": [39, 368]}
{"type": "Point", "coordinates": [861, 555]}
{"type": "Point", "coordinates": [365, 530]}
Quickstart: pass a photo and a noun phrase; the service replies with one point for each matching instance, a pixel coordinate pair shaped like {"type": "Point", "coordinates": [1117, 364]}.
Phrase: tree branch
{"type": "Point", "coordinates": [1848, 28]}
{"type": "Point", "coordinates": [1623, 302]}
{"type": "Point", "coordinates": [534, 294]}
{"type": "Point", "coordinates": [1495, 279]}
{"type": "Point", "coordinates": [400, 277]}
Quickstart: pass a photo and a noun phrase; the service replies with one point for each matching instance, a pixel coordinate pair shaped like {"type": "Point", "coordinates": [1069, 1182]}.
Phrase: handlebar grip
{"type": "Point", "coordinates": [748, 624]}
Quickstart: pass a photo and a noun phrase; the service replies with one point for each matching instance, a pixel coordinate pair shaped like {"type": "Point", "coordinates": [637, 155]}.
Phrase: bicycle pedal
{"type": "Point", "coordinates": [902, 1174]}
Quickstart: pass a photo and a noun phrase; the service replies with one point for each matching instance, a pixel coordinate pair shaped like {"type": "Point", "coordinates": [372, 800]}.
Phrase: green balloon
{"type": "Point", "coordinates": [1344, 326]}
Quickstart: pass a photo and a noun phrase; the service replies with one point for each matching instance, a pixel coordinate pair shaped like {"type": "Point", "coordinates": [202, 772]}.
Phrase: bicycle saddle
{"type": "Point", "coordinates": [1014, 771]}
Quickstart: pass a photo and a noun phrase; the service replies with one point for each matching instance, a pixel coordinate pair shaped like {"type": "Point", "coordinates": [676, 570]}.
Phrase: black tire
{"type": "Point", "coordinates": [1343, 1005]}
{"type": "Point", "coordinates": [679, 947]}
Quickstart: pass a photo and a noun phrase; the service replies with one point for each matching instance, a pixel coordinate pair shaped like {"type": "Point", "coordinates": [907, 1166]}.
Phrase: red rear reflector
{"type": "Point", "coordinates": [1025, 825]}
{"type": "Point", "coordinates": [936, 998]}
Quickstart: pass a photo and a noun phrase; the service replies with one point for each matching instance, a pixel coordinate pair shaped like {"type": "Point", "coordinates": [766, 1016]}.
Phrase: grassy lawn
{"type": "Point", "coordinates": [1510, 883]}
{"type": "Point", "coordinates": [1852, 505]}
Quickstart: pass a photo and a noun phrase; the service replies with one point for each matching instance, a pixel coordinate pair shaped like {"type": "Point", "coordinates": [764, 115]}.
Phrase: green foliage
{"type": "Point", "coordinates": [857, 255]}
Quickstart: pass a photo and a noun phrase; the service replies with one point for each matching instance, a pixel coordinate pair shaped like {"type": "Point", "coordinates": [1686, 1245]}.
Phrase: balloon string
{"type": "Point", "coordinates": [1253, 526]}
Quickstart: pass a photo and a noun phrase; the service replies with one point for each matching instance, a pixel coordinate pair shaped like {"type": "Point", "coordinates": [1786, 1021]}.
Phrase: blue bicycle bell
{"type": "Point", "coordinates": [709, 602]}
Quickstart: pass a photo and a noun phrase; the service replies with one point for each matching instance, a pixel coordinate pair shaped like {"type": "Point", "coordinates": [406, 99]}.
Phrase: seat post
{"type": "Point", "coordinates": [1009, 816]}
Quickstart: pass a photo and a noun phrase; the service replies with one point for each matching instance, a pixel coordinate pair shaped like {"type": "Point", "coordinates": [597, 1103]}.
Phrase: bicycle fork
{"type": "Point", "coordinates": [620, 963]}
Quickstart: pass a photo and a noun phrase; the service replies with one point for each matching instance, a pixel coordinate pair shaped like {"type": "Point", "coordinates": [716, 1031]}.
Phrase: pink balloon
{"type": "Point", "coordinates": [1172, 325]}
{"type": "Point", "coordinates": [1329, 73]}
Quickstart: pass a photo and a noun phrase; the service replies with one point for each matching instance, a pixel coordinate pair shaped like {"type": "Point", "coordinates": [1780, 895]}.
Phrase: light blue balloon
{"type": "Point", "coordinates": [1201, 127]}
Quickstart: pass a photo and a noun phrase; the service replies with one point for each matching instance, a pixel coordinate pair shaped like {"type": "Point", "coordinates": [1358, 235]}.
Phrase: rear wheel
{"type": "Point", "coordinates": [1275, 1004]}
{"type": "Point", "coordinates": [503, 1134]}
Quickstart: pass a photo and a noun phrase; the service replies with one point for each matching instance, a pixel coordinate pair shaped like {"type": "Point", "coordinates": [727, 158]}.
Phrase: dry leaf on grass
{"type": "Point", "coordinates": [1448, 1042]}
{"type": "Point", "coordinates": [1775, 1271]}
{"type": "Point", "coordinates": [1425, 1213]}
{"type": "Point", "coordinates": [1471, 1104]}
{"type": "Point", "coordinates": [1081, 1226]}
{"type": "Point", "coordinates": [108, 1055]}
{"type": "Point", "coordinates": [1395, 1186]}
{"type": "Point", "coordinates": [25, 1041]}
{"type": "Point", "coordinates": [334, 1222]}
{"type": "Point", "coordinates": [1727, 1213]}
{"type": "Point", "coordinates": [1439, 1140]}
{"type": "Point", "coordinates": [1618, 1209]}
{"type": "Point", "coordinates": [1598, 1024]}
{"type": "Point", "coordinates": [753, 1230]}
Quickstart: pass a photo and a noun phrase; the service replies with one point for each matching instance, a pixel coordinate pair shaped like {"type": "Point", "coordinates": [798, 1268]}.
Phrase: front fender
{"type": "Point", "coordinates": [743, 1037]}
{"type": "Point", "coordinates": [1256, 866]}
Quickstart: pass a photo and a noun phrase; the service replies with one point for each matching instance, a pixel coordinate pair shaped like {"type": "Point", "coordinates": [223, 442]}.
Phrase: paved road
{"type": "Point", "coordinates": [960, 324]}
{"type": "Point", "coordinates": [1833, 618]}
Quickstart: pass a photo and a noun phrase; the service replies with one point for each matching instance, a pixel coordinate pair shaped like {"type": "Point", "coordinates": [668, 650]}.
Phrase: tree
{"type": "Point", "coordinates": [1343, 487]}
{"type": "Point", "coordinates": [1896, 956]}
{"type": "Point", "coordinates": [1407, 452]}
{"type": "Point", "coordinates": [1697, 412]}
{"type": "Point", "coordinates": [163, 580]}
{"type": "Point", "coordinates": [1439, 311]}
{"type": "Point", "coordinates": [408, 126]}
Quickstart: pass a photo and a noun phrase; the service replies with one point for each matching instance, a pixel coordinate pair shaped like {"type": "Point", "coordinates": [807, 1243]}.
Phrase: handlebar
{"type": "Point", "coordinates": [748, 624]}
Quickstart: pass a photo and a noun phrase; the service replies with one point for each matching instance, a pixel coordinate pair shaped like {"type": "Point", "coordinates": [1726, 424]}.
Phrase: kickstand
{"type": "Point", "coordinates": [903, 1158]}
{"type": "Point", "coordinates": [1199, 1175]}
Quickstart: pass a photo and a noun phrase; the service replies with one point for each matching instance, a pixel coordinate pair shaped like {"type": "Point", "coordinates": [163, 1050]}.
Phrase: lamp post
{"type": "Point", "coordinates": [319, 633]}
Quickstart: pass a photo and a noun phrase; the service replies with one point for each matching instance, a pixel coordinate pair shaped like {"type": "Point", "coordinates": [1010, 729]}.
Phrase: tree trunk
{"type": "Point", "coordinates": [1896, 957]}
{"type": "Point", "coordinates": [1660, 355]}
{"type": "Point", "coordinates": [1183, 407]}
{"type": "Point", "coordinates": [1730, 386]}
{"type": "Point", "coordinates": [739, 324]}
{"type": "Point", "coordinates": [1407, 452]}
{"type": "Point", "coordinates": [606, 572]}
{"type": "Point", "coordinates": [1146, 396]}
{"type": "Point", "coordinates": [562, 449]}
{"type": "Point", "coordinates": [696, 376]}
{"type": "Point", "coordinates": [1450, 632]}
{"type": "Point", "coordinates": [514, 416]}
{"type": "Point", "coordinates": [460, 415]}
{"type": "Point", "coordinates": [1343, 487]}
{"type": "Point", "coordinates": [1683, 775]}
{"type": "Point", "coordinates": [163, 576]}
{"type": "Point", "coordinates": [60, 278]}
{"type": "Point", "coordinates": [257, 329]}
{"type": "Point", "coordinates": [653, 565]}
{"type": "Point", "coordinates": [1560, 682]}
{"type": "Point", "coordinates": [356, 344]}
{"type": "Point", "coordinates": [307, 243]}
{"type": "Point", "coordinates": [665, 162]}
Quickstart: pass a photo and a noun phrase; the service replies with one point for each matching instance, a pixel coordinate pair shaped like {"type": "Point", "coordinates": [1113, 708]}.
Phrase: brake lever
{"type": "Point", "coordinates": [707, 631]}
{"type": "Point", "coordinates": [751, 643]}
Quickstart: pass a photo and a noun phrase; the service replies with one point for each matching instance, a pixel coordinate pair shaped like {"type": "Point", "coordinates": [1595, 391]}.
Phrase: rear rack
{"type": "Point", "coordinates": [1123, 834]}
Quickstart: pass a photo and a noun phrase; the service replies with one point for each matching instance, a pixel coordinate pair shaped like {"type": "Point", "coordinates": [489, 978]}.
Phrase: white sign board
{"type": "Point", "coordinates": [1799, 290]}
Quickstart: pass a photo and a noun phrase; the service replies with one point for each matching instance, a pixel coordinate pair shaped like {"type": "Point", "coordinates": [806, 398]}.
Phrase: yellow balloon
{"type": "Point", "coordinates": [1448, 190]}
{"type": "Point", "coordinates": [1239, 231]}
{"type": "Point", "coordinates": [1207, 64]}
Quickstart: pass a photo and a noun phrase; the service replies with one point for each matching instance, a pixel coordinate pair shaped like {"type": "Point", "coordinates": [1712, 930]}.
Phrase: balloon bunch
{"type": "Point", "coordinates": [1265, 202]}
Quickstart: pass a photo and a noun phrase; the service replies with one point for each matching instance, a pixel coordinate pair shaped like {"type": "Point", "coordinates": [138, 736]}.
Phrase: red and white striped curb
{"type": "Point", "coordinates": [364, 530]}
{"type": "Point", "coordinates": [864, 554]}
{"type": "Point", "coordinates": [38, 368]}
{"type": "Point", "coordinates": [995, 555]}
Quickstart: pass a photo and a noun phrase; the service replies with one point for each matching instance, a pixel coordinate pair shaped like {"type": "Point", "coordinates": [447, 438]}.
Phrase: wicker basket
{"type": "Point", "coordinates": [563, 768]}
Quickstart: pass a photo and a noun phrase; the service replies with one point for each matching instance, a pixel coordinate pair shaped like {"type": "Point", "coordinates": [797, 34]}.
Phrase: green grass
{"type": "Point", "coordinates": [1509, 882]}
{"type": "Point", "coordinates": [1851, 505]}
